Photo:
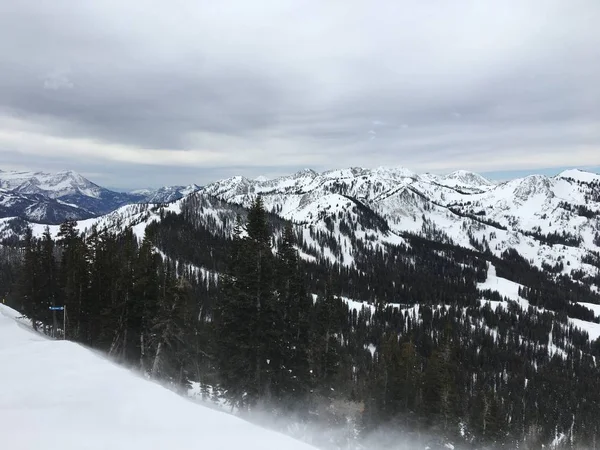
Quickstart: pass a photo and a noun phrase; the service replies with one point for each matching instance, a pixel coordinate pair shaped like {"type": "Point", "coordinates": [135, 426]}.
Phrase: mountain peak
{"type": "Point", "coordinates": [165, 194]}
{"type": "Point", "coordinates": [67, 172]}
{"type": "Point", "coordinates": [579, 175]}
{"type": "Point", "coordinates": [306, 172]}
{"type": "Point", "coordinates": [395, 172]}
{"type": "Point", "coordinates": [52, 185]}
{"type": "Point", "coordinates": [52, 197]}
{"type": "Point", "coordinates": [467, 178]}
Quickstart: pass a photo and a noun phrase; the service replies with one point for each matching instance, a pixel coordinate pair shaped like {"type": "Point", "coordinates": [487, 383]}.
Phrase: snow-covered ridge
{"type": "Point", "coordinates": [53, 185]}
{"type": "Point", "coordinates": [53, 197]}
{"type": "Point", "coordinates": [549, 220]}
{"type": "Point", "coordinates": [536, 214]}
{"type": "Point", "coordinates": [358, 182]}
{"type": "Point", "coordinates": [166, 194]}
{"type": "Point", "coordinates": [465, 178]}
{"type": "Point", "coordinates": [580, 175]}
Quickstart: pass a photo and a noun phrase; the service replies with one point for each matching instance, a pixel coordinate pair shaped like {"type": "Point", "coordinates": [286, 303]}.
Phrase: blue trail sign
{"type": "Point", "coordinates": [56, 308]}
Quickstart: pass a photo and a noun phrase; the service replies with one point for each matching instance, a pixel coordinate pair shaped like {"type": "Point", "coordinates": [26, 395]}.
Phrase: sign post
{"type": "Point", "coordinates": [64, 310]}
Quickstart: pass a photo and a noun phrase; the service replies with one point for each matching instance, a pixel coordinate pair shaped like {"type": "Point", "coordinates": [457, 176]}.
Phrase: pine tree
{"type": "Point", "coordinates": [73, 280]}
{"type": "Point", "coordinates": [29, 288]}
{"type": "Point", "coordinates": [168, 331]}
{"type": "Point", "coordinates": [103, 290]}
{"type": "Point", "coordinates": [327, 317]}
{"type": "Point", "coordinates": [439, 390]}
{"type": "Point", "coordinates": [123, 317]}
{"type": "Point", "coordinates": [49, 278]}
{"type": "Point", "coordinates": [234, 328]}
{"type": "Point", "coordinates": [145, 296]}
{"type": "Point", "coordinates": [249, 317]}
{"type": "Point", "coordinates": [100, 284]}
{"type": "Point", "coordinates": [294, 375]}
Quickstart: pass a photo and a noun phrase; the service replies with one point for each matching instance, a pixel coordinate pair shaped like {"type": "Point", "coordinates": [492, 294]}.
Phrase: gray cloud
{"type": "Point", "coordinates": [197, 87]}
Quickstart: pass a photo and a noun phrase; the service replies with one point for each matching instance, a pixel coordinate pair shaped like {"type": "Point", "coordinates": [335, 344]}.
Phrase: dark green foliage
{"type": "Point", "coordinates": [250, 318]}
{"type": "Point", "coordinates": [235, 317]}
{"type": "Point", "coordinates": [580, 210]}
{"type": "Point", "coordinates": [120, 296]}
{"type": "Point", "coordinates": [555, 238]}
{"type": "Point", "coordinates": [31, 297]}
{"type": "Point", "coordinates": [294, 376]}
{"type": "Point", "coordinates": [10, 258]}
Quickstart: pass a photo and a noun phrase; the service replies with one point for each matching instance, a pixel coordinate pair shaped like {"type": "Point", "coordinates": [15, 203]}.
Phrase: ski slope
{"type": "Point", "coordinates": [60, 395]}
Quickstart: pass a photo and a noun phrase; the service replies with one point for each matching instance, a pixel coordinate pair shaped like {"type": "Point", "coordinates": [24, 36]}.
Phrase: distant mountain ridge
{"type": "Point", "coordinates": [52, 197]}
{"type": "Point", "coordinates": [166, 194]}
{"type": "Point", "coordinates": [530, 214]}
{"type": "Point", "coordinates": [53, 185]}
{"type": "Point", "coordinates": [391, 191]}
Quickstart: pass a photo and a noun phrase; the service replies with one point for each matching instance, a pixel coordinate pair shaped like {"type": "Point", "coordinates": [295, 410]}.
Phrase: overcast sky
{"type": "Point", "coordinates": [143, 93]}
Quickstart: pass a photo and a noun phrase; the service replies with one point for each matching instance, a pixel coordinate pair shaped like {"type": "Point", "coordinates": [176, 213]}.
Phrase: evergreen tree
{"type": "Point", "coordinates": [327, 318]}
{"type": "Point", "coordinates": [294, 376]}
{"type": "Point", "coordinates": [73, 279]}
{"type": "Point", "coordinates": [235, 328]}
{"type": "Point", "coordinates": [145, 298]}
{"type": "Point", "coordinates": [29, 287]}
{"type": "Point", "coordinates": [439, 387]}
{"type": "Point", "coordinates": [49, 279]}
{"type": "Point", "coordinates": [249, 319]}
{"type": "Point", "coordinates": [168, 331]}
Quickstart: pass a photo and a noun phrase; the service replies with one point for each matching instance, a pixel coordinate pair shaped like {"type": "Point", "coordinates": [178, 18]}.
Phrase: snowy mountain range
{"type": "Point", "coordinates": [166, 194]}
{"type": "Point", "coordinates": [550, 221]}
{"type": "Point", "coordinates": [53, 197]}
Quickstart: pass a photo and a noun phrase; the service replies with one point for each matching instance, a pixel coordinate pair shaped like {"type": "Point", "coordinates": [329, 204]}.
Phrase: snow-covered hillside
{"type": "Point", "coordinates": [53, 185]}
{"type": "Point", "coordinates": [60, 395]}
{"type": "Point", "coordinates": [166, 194]}
{"type": "Point", "coordinates": [53, 197]}
{"type": "Point", "coordinates": [551, 221]}
{"type": "Point", "coordinates": [37, 207]}
{"type": "Point", "coordinates": [548, 220]}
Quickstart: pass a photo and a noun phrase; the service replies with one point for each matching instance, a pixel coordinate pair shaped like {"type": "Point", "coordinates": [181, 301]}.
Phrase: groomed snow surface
{"type": "Point", "coordinates": [60, 395]}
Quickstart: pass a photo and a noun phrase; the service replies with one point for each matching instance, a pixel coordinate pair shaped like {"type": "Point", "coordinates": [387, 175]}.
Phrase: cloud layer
{"type": "Point", "coordinates": [266, 87]}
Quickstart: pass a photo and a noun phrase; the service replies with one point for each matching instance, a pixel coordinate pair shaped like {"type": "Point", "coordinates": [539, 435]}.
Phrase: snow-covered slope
{"type": "Point", "coordinates": [53, 185]}
{"type": "Point", "coordinates": [60, 395]}
{"type": "Point", "coordinates": [465, 180]}
{"type": "Point", "coordinates": [37, 207]}
{"type": "Point", "coordinates": [547, 219]}
{"type": "Point", "coordinates": [551, 221]}
{"type": "Point", "coordinates": [166, 194]}
{"type": "Point", "coordinates": [53, 197]}
{"type": "Point", "coordinates": [136, 216]}
{"type": "Point", "coordinates": [580, 176]}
